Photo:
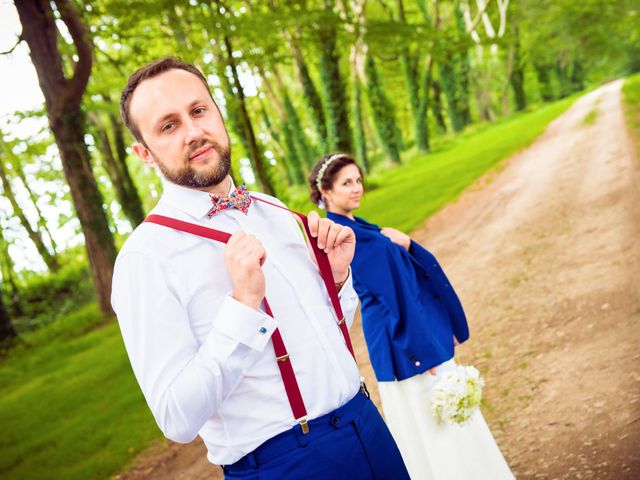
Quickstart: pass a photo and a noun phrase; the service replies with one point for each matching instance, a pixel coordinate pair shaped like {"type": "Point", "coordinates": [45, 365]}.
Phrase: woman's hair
{"type": "Point", "coordinates": [324, 173]}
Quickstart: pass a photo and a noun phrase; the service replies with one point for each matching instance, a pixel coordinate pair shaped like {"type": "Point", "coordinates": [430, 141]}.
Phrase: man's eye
{"type": "Point", "coordinates": [166, 127]}
{"type": "Point", "coordinates": [199, 110]}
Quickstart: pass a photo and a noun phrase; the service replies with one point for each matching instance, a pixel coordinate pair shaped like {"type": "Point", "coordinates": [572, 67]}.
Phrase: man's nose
{"type": "Point", "coordinates": [194, 132]}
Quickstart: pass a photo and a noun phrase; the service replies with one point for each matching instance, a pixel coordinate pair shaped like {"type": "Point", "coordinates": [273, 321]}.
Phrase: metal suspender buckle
{"type": "Point", "coordinates": [304, 425]}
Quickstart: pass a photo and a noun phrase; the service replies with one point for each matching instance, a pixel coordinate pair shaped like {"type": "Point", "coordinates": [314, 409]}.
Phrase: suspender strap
{"type": "Point", "coordinates": [325, 271]}
{"type": "Point", "coordinates": [282, 356]}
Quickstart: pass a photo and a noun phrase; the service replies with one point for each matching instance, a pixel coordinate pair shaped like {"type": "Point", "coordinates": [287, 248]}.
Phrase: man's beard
{"type": "Point", "coordinates": [188, 176]}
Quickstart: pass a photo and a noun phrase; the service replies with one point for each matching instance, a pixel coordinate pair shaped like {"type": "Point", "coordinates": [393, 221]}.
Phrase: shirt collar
{"type": "Point", "coordinates": [189, 200]}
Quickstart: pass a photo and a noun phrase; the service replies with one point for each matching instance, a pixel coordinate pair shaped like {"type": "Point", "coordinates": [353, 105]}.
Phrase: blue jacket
{"type": "Point", "coordinates": [410, 312]}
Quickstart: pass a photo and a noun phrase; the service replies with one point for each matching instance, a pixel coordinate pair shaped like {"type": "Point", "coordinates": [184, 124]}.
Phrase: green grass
{"type": "Point", "coordinates": [69, 404]}
{"type": "Point", "coordinates": [406, 195]}
{"type": "Point", "coordinates": [631, 100]}
{"type": "Point", "coordinates": [590, 118]}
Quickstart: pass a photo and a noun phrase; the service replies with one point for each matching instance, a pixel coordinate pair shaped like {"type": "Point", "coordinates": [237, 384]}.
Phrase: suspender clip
{"type": "Point", "coordinates": [304, 426]}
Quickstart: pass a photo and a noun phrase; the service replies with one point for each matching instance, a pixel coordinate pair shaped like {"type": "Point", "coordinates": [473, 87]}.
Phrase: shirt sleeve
{"type": "Point", "coordinates": [183, 381]}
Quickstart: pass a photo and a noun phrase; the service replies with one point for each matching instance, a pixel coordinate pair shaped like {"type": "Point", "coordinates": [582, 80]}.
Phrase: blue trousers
{"type": "Point", "coordinates": [350, 443]}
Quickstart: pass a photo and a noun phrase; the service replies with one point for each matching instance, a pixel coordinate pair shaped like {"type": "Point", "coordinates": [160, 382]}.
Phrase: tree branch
{"type": "Point", "coordinates": [82, 68]}
{"type": "Point", "coordinates": [18, 41]}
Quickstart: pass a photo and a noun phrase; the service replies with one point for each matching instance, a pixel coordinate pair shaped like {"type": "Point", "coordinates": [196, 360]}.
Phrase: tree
{"type": "Point", "coordinates": [6, 327]}
{"type": "Point", "coordinates": [335, 96]}
{"type": "Point", "coordinates": [49, 258]}
{"type": "Point", "coordinates": [63, 97]}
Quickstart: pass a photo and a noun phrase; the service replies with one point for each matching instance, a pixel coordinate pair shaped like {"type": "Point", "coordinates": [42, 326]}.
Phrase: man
{"type": "Point", "coordinates": [194, 317]}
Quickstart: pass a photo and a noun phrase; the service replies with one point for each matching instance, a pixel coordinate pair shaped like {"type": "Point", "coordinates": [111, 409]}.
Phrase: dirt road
{"type": "Point", "coordinates": [545, 255]}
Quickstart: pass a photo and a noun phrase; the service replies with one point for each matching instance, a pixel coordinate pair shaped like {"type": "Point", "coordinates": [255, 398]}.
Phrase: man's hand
{"type": "Point", "coordinates": [244, 256]}
{"type": "Point", "coordinates": [338, 242]}
{"type": "Point", "coordinates": [397, 237]}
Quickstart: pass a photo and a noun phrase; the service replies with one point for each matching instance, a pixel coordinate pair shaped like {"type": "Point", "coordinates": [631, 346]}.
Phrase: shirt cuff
{"type": "Point", "coordinates": [244, 324]}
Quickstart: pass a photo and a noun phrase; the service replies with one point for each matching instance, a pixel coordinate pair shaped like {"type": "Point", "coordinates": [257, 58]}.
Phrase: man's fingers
{"type": "Point", "coordinates": [332, 235]}
{"type": "Point", "coordinates": [313, 218]}
{"type": "Point", "coordinates": [323, 229]}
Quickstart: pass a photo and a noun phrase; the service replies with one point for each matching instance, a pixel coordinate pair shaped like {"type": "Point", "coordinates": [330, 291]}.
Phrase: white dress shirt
{"type": "Point", "coordinates": [199, 355]}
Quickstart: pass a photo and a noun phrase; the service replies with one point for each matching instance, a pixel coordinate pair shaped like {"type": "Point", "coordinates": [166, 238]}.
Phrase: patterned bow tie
{"type": "Point", "coordinates": [239, 198]}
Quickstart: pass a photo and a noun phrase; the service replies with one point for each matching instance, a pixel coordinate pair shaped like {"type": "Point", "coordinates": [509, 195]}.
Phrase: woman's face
{"type": "Point", "coordinates": [346, 191]}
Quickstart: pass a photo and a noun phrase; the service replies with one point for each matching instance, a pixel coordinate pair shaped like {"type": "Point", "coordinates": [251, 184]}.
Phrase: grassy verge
{"type": "Point", "coordinates": [69, 404]}
{"type": "Point", "coordinates": [429, 181]}
{"type": "Point", "coordinates": [631, 100]}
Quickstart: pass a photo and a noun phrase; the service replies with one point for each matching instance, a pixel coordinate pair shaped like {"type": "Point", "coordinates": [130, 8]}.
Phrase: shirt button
{"type": "Point", "coordinates": [417, 364]}
{"type": "Point", "coordinates": [263, 330]}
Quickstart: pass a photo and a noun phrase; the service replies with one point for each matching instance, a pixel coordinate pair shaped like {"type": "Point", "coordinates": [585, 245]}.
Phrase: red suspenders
{"type": "Point", "coordinates": [282, 357]}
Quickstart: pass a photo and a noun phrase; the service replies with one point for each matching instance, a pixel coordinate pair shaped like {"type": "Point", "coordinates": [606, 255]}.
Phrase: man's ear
{"type": "Point", "coordinates": [144, 153]}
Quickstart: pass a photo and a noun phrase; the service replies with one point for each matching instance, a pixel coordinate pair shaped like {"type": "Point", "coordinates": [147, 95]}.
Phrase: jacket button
{"type": "Point", "coordinates": [335, 420]}
{"type": "Point", "coordinates": [426, 275]}
{"type": "Point", "coordinates": [436, 296]}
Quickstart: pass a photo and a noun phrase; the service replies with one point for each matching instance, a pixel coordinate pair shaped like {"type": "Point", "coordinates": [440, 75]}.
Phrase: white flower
{"type": "Point", "coordinates": [456, 395]}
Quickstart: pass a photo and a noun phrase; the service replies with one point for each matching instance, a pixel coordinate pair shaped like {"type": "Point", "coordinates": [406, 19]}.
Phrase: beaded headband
{"type": "Point", "coordinates": [324, 167]}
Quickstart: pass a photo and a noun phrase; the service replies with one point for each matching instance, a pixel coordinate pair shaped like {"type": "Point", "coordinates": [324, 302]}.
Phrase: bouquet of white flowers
{"type": "Point", "coordinates": [456, 395]}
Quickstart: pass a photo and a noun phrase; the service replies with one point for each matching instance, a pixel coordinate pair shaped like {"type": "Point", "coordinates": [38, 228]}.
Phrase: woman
{"type": "Point", "coordinates": [412, 320]}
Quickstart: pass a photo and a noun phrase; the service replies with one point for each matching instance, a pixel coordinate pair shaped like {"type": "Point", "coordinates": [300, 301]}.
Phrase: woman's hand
{"type": "Point", "coordinates": [397, 237]}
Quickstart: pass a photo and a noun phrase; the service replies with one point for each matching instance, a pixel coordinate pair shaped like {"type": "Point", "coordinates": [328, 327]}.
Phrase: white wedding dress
{"type": "Point", "coordinates": [438, 452]}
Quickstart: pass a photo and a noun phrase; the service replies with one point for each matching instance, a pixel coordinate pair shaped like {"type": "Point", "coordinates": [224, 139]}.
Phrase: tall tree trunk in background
{"type": "Point", "coordinates": [133, 199]}
{"type": "Point", "coordinates": [358, 121]}
{"type": "Point", "coordinates": [129, 200]}
{"type": "Point", "coordinates": [544, 81]}
{"type": "Point", "coordinates": [517, 73]}
{"type": "Point", "coordinates": [6, 327]}
{"type": "Point", "coordinates": [311, 96]}
{"type": "Point", "coordinates": [255, 153]}
{"type": "Point", "coordinates": [49, 259]}
{"type": "Point", "coordinates": [334, 90]}
{"type": "Point", "coordinates": [449, 84]}
{"type": "Point", "coordinates": [16, 166]}
{"type": "Point", "coordinates": [383, 112]}
{"type": "Point", "coordinates": [577, 76]}
{"type": "Point", "coordinates": [306, 153]}
{"type": "Point", "coordinates": [463, 67]}
{"type": "Point", "coordinates": [7, 270]}
{"type": "Point", "coordinates": [418, 95]}
{"type": "Point", "coordinates": [63, 97]}
{"type": "Point", "coordinates": [436, 106]}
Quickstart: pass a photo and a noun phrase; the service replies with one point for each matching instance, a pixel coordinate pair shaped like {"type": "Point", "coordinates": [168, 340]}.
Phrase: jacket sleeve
{"type": "Point", "coordinates": [430, 265]}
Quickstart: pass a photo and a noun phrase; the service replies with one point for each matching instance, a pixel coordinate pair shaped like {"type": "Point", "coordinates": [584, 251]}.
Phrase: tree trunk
{"type": "Point", "coordinates": [49, 259]}
{"type": "Point", "coordinates": [130, 201]}
{"type": "Point", "coordinates": [7, 269]}
{"type": "Point", "coordinates": [335, 92]}
{"type": "Point", "coordinates": [311, 96]}
{"type": "Point", "coordinates": [544, 82]}
{"type": "Point", "coordinates": [255, 152]}
{"type": "Point", "coordinates": [383, 112]}
{"type": "Point", "coordinates": [417, 100]}
{"type": "Point", "coordinates": [63, 97]}
{"type": "Point", "coordinates": [358, 120]}
{"type": "Point", "coordinates": [6, 327]}
{"type": "Point", "coordinates": [436, 106]}
{"type": "Point", "coordinates": [517, 74]}
{"type": "Point", "coordinates": [41, 222]}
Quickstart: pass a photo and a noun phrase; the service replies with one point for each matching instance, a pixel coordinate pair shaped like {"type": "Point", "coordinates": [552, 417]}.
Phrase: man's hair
{"type": "Point", "coordinates": [151, 70]}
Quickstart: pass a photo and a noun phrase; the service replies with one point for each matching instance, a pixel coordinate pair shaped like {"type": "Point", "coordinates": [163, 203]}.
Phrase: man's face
{"type": "Point", "coordinates": [182, 128]}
